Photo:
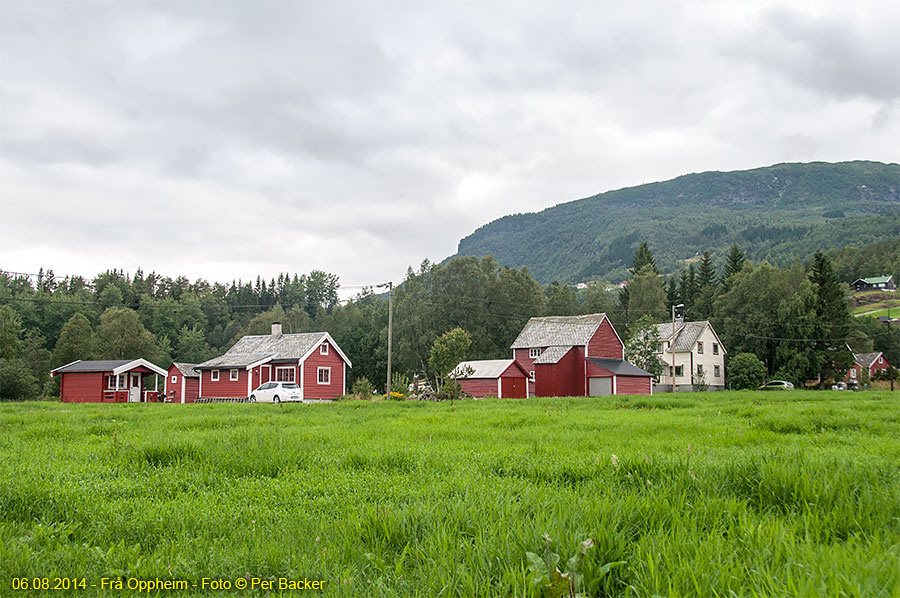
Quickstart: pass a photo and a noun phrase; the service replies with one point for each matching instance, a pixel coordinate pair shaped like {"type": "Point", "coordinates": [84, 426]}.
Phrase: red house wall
{"type": "Point", "coordinates": [173, 389]}
{"type": "Point", "coordinates": [876, 367]}
{"type": "Point", "coordinates": [480, 387]}
{"type": "Point", "coordinates": [605, 343]}
{"type": "Point", "coordinates": [527, 363]}
{"type": "Point", "coordinates": [562, 379]}
{"type": "Point", "coordinates": [311, 387]}
{"type": "Point", "coordinates": [632, 385]}
{"type": "Point", "coordinates": [191, 389]}
{"type": "Point", "coordinates": [81, 387]}
{"type": "Point", "coordinates": [225, 387]}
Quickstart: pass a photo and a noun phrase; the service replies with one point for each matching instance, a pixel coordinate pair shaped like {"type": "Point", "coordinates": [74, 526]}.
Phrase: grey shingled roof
{"type": "Point", "coordinates": [619, 367]}
{"type": "Point", "coordinates": [686, 333]}
{"type": "Point", "coordinates": [866, 359]}
{"type": "Point", "coordinates": [106, 365]}
{"type": "Point", "coordinates": [558, 331]}
{"type": "Point", "coordinates": [284, 346]}
{"type": "Point", "coordinates": [552, 354]}
{"type": "Point", "coordinates": [232, 360]}
{"type": "Point", "coordinates": [487, 368]}
{"type": "Point", "coordinates": [187, 369]}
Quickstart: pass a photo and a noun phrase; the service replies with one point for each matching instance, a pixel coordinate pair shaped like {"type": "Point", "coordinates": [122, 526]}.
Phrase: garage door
{"type": "Point", "coordinates": [600, 387]}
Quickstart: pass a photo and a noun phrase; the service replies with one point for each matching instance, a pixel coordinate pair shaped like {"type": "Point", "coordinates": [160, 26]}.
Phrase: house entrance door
{"type": "Point", "coordinates": [134, 389]}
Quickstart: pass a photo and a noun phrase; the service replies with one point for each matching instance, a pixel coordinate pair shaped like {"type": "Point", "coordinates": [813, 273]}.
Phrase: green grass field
{"type": "Point", "coordinates": [715, 494]}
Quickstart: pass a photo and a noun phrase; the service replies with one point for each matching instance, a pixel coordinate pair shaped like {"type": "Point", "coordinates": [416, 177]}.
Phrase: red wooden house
{"type": "Point", "coordinates": [109, 381]}
{"type": "Point", "coordinates": [182, 383]}
{"type": "Point", "coordinates": [870, 362]}
{"type": "Point", "coordinates": [502, 378]}
{"type": "Point", "coordinates": [583, 356]}
{"type": "Point", "coordinates": [311, 359]}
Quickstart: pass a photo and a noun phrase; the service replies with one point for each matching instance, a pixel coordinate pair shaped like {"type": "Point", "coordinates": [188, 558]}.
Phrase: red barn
{"type": "Point", "coordinates": [108, 381]}
{"type": "Point", "coordinates": [871, 362]}
{"type": "Point", "coordinates": [568, 356]}
{"type": "Point", "coordinates": [502, 378]}
{"type": "Point", "coordinates": [182, 383]}
{"type": "Point", "coordinates": [311, 359]}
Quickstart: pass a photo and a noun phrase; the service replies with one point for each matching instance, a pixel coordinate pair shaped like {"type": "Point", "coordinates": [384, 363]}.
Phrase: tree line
{"type": "Point", "coordinates": [792, 319]}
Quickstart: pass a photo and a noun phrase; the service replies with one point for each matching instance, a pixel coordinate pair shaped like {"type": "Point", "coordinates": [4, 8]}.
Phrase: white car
{"type": "Point", "coordinates": [275, 392]}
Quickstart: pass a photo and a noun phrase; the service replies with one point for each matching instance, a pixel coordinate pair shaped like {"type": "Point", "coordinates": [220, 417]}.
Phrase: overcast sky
{"type": "Point", "coordinates": [228, 139]}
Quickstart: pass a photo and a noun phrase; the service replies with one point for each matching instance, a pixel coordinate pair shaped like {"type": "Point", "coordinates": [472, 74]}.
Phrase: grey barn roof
{"type": "Point", "coordinates": [552, 354]}
{"type": "Point", "coordinates": [555, 331]}
{"type": "Point", "coordinates": [486, 368]}
{"type": "Point", "coordinates": [619, 367]}
{"type": "Point", "coordinates": [686, 333]}
{"type": "Point", "coordinates": [106, 365]}
{"type": "Point", "coordinates": [187, 369]}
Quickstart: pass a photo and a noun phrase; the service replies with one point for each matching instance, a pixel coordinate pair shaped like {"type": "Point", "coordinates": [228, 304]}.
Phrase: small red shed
{"type": "Point", "coordinates": [502, 378]}
{"type": "Point", "coordinates": [182, 383]}
{"type": "Point", "coordinates": [107, 381]}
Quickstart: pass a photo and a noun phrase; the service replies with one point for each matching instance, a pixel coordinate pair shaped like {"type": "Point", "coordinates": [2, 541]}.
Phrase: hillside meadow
{"type": "Point", "coordinates": [716, 494]}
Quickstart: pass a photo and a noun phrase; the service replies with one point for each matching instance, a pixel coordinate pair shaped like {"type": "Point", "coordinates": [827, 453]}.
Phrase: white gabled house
{"type": "Point", "coordinates": [688, 351]}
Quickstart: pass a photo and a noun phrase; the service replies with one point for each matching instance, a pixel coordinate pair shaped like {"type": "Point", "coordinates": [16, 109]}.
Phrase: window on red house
{"type": "Point", "coordinates": [284, 374]}
{"type": "Point", "coordinates": [324, 375]}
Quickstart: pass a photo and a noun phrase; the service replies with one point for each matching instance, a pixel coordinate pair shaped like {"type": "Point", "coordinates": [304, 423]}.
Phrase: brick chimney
{"type": "Point", "coordinates": [276, 328]}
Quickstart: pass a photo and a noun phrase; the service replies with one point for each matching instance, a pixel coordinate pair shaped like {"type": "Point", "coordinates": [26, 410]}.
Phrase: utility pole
{"type": "Point", "coordinates": [390, 287]}
{"type": "Point", "coordinates": [672, 344]}
{"type": "Point", "coordinates": [890, 365]}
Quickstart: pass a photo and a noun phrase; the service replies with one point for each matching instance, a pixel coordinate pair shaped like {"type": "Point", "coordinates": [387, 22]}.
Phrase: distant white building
{"type": "Point", "coordinates": [689, 351]}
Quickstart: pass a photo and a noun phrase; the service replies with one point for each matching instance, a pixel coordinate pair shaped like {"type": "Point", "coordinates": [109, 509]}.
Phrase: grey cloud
{"type": "Point", "coordinates": [394, 130]}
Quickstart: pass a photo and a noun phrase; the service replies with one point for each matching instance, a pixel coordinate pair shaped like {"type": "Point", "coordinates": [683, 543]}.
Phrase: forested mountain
{"type": "Point", "coordinates": [781, 214]}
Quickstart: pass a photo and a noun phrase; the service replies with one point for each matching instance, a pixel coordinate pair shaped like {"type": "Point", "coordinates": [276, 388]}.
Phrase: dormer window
{"type": "Point", "coordinates": [534, 353]}
{"type": "Point", "coordinates": [323, 349]}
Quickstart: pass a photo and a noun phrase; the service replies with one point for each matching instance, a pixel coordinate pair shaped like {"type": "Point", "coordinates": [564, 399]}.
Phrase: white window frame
{"type": "Point", "coordinates": [319, 371]}
{"type": "Point", "coordinates": [715, 348]}
{"type": "Point", "coordinates": [717, 372]}
{"type": "Point", "coordinates": [679, 367]}
{"type": "Point", "coordinates": [214, 375]}
{"type": "Point", "coordinates": [323, 349]}
{"type": "Point", "coordinates": [234, 375]}
{"type": "Point", "coordinates": [853, 372]}
{"type": "Point", "coordinates": [659, 347]}
{"type": "Point", "coordinates": [699, 369]}
{"type": "Point", "coordinates": [534, 353]}
{"type": "Point", "coordinates": [174, 379]}
{"type": "Point", "coordinates": [699, 347]}
{"type": "Point", "coordinates": [880, 359]}
{"type": "Point", "coordinates": [531, 375]}
{"type": "Point", "coordinates": [285, 368]}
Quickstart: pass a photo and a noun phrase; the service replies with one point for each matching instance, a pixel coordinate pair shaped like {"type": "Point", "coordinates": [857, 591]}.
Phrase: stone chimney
{"type": "Point", "coordinates": [276, 328]}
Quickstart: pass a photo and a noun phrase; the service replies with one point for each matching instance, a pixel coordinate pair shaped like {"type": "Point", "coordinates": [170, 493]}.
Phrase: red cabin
{"type": "Point", "coordinates": [502, 378]}
{"type": "Point", "coordinates": [867, 362]}
{"type": "Point", "coordinates": [182, 383]}
{"type": "Point", "coordinates": [313, 360]}
{"type": "Point", "coordinates": [108, 381]}
{"type": "Point", "coordinates": [572, 356]}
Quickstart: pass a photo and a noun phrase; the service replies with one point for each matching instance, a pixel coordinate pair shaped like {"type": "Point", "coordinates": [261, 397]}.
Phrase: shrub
{"type": "Point", "coordinates": [362, 388]}
{"type": "Point", "coordinates": [746, 371]}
